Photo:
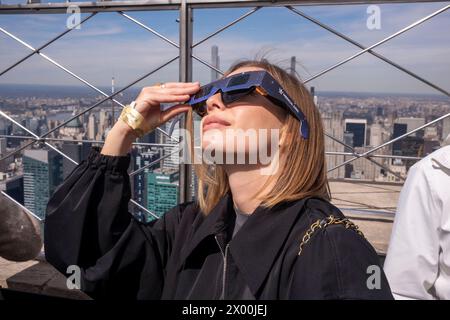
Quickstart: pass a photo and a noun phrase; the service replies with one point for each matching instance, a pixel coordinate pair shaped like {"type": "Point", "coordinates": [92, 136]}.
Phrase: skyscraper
{"type": "Point", "coordinates": [92, 127]}
{"type": "Point", "coordinates": [332, 124]}
{"type": "Point", "coordinates": [3, 163]}
{"type": "Point", "coordinates": [399, 130]}
{"type": "Point", "coordinates": [77, 152]}
{"type": "Point", "coordinates": [412, 123]}
{"type": "Point", "coordinates": [376, 135]}
{"type": "Point", "coordinates": [358, 127]}
{"type": "Point", "coordinates": [42, 174]}
{"type": "Point", "coordinates": [14, 188]}
{"type": "Point", "coordinates": [215, 62]}
{"type": "Point", "coordinates": [445, 128]}
{"type": "Point", "coordinates": [139, 182]}
{"type": "Point", "coordinates": [162, 190]}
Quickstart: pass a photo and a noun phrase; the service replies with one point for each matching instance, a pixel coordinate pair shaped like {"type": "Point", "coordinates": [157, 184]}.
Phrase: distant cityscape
{"type": "Point", "coordinates": [360, 120]}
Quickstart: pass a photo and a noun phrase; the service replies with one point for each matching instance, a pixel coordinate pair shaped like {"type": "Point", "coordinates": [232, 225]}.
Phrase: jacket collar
{"type": "Point", "coordinates": [256, 245]}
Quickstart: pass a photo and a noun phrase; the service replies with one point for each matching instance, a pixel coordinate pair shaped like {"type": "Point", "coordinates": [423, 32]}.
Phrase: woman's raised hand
{"type": "Point", "coordinates": [120, 139]}
{"type": "Point", "coordinates": [150, 98]}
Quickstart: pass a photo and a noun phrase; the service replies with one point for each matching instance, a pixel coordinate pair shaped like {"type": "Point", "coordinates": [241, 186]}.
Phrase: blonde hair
{"type": "Point", "coordinates": [303, 160]}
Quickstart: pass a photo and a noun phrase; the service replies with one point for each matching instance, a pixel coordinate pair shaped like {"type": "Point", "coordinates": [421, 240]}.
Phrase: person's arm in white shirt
{"type": "Point", "coordinates": [412, 262]}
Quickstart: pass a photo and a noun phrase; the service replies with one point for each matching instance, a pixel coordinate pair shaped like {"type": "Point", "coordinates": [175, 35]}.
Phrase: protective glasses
{"type": "Point", "coordinates": [239, 85]}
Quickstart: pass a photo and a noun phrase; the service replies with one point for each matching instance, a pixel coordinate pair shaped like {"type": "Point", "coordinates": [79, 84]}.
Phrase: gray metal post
{"type": "Point", "coordinates": [186, 26]}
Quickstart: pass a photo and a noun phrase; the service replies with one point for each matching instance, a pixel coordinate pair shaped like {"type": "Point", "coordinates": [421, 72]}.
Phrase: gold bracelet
{"type": "Point", "coordinates": [135, 120]}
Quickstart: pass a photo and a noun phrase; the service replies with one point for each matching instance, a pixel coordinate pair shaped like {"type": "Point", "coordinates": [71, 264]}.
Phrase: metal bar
{"type": "Point", "coordinates": [186, 36]}
{"type": "Point", "coordinates": [391, 141]}
{"type": "Point", "coordinates": [116, 93]}
{"type": "Point", "coordinates": [73, 75]}
{"type": "Point", "coordinates": [168, 41]}
{"type": "Point", "coordinates": [152, 163]}
{"type": "Point", "coordinates": [207, 64]}
{"type": "Point", "coordinates": [415, 24]}
{"type": "Point", "coordinates": [107, 98]}
{"type": "Point", "coordinates": [149, 29]}
{"type": "Point", "coordinates": [56, 64]}
{"type": "Point", "coordinates": [46, 44]}
{"type": "Point", "coordinates": [367, 158]}
{"type": "Point", "coordinates": [348, 39]}
{"type": "Point", "coordinates": [161, 145]}
{"type": "Point", "coordinates": [34, 135]}
{"type": "Point", "coordinates": [22, 206]}
{"type": "Point", "coordinates": [227, 26]}
{"type": "Point", "coordinates": [383, 156]}
{"type": "Point", "coordinates": [154, 5]}
{"type": "Point", "coordinates": [17, 150]}
{"type": "Point", "coordinates": [60, 152]}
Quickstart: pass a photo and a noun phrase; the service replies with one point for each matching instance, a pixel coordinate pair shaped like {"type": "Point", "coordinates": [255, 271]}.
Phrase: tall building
{"type": "Point", "coordinates": [14, 188]}
{"type": "Point", "coordinates": [5, 127]}
{"type": "Point", "coordinates": [332, 124]}
{"type": "Point", "coordinates": [358, 127]}
{"type": "Point", "coordinates": [162, 190]}
{"type": "Point", "coordinates": [431, 133]}
{"type": "Point", "coordinates": [73, 129]}
{"type": "Point", "coordinates": [103, 121]}
{"type": "Point", "coordinates": [348, 140]}
{"type": "Point", "coordinates": [32, 124]}
{"type": "Point", "coordinates": [4, 163]}
{"type": "Point", "coordinates": [42, 174]}
{"type": "Point", "coordinates": [92, 127]}
{"type": "Point", "coordinates": [215, 62]}
{"type": "Point", "coordinates": [171, 162]}
{"type": "Point", "coordinates": [413, 147]}
{"type": "Point", "coordinates": [399, 130]}
{"type": "Point", "coordinates": [376, 135]}
{"type": "Point", "coordinates": [77, 152]}
{"type": "Point", "coordinates": [412, 124]}
{"type": "Point", "coordinates": [445, 128]}
{"type": "Point", "coordinates": [139, 182]}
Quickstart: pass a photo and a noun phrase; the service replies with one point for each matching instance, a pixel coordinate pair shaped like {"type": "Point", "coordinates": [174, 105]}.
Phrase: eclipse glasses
{"type": "Point", "coordinates": [234, 87]}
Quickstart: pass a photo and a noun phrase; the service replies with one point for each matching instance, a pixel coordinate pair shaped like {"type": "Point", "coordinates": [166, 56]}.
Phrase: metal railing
{"type": "Point", "coordinates": [185, 57]}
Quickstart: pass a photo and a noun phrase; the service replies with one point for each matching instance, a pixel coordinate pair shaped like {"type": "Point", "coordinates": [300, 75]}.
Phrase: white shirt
{"type": "Point", "coordinates": [418, 259]}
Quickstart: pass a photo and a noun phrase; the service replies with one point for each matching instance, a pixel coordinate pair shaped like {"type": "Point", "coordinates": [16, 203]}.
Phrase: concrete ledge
{"type": "Point", "coordinates": [37, 277]}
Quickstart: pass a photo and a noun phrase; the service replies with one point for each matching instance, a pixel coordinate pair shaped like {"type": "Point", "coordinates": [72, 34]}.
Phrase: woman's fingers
{"type": "Point", "coordinates": [176, 92]}
{"type": "Point", "coordinates": [178, 84]}
{"type": "Point", "coordinates": [168, 114]}
{"type": "Point", "coordinates": [167, 98]}
{"type": "Point", "coordinates": [150, 98]}
{"type": "Point", "coordinates": [190, 90]}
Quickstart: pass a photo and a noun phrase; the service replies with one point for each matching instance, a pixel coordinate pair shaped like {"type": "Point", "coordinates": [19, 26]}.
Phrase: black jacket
{"type": "Point", "coordinates": [185, 255]}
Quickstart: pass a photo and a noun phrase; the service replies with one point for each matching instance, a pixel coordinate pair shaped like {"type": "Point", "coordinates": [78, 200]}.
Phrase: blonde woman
{"type": "Point", "coordinates": [251, 233]}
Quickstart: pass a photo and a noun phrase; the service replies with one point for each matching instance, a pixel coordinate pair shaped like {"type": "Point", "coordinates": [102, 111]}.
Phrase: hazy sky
{"type": "Point", "coordinates": [110, 45]}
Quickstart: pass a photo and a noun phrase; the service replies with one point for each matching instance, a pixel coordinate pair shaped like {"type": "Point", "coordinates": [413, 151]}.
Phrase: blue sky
{"type": "Point", "coordinates": [108, 44]}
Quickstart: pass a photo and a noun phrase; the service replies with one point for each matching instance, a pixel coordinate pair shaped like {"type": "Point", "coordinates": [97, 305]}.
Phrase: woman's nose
{"type": "Point", "coordinates": [214, 102]}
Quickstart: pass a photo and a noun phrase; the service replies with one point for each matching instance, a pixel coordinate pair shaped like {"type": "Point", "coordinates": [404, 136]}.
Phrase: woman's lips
{"type": "Point", "coordinates": [214, 123]}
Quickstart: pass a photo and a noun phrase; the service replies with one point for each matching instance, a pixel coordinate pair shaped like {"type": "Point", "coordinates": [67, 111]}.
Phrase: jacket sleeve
{"type": "Point", "coordinates": [88, 226]}
{"type": "Point", "coordinates": [412, 261]}
{"type": "Point", "coordinates": [340, 264]}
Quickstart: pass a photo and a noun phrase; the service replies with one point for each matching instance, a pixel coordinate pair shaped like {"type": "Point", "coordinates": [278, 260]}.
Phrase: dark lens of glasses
{"type": "Point", "coordinates": [232, 96]}
{"type": "Point", "coordinates": [227, 98]}
{"type": "Point", "coordinates": [203, 91]}
{"type": "Point", "coordinates": [238, 80]}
